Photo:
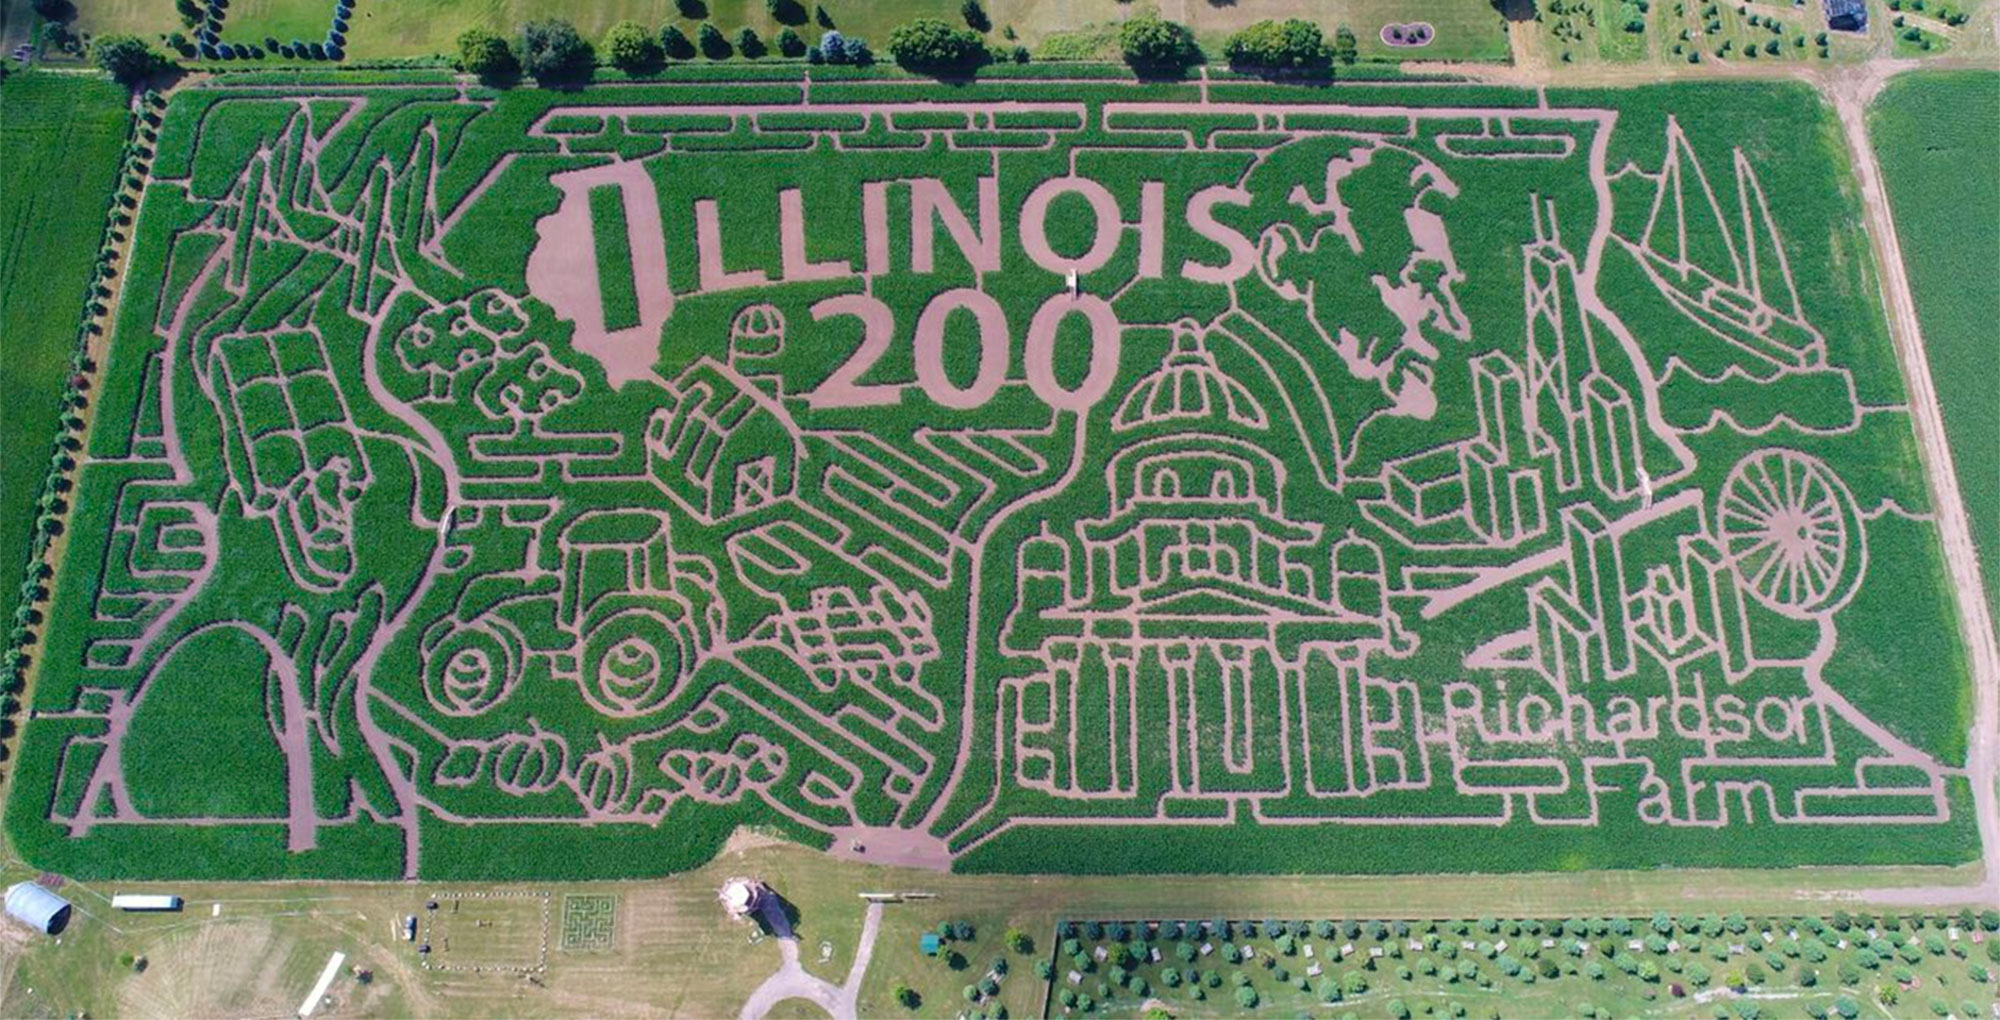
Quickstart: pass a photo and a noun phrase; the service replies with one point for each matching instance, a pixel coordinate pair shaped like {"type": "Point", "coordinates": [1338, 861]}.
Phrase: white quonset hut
{"type": "Point", "coordinates": [37, 907]}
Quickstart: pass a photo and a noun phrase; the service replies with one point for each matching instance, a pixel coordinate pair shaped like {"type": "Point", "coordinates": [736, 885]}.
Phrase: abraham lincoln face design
{"type": "Point", "coordinates": [1368, 256]}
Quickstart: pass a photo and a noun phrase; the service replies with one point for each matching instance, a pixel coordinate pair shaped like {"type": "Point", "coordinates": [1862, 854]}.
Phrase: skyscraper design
{"type": "Point", "coordinates": [1579, 415]}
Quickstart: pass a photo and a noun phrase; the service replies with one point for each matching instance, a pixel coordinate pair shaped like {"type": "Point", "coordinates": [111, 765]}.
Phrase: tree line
{"type": "Point", "coordinates": [553, 50]}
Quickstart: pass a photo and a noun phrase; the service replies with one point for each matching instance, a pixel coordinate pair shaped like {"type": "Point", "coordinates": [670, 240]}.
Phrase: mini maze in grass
{"type": "Point", "coordinates": [589, 922]}
{"type": "Point", "coordinates": [539, 484]}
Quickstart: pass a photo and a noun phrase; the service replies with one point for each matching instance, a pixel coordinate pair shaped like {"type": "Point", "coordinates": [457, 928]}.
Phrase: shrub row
{"type": "Point", "coordinates": [1151, 46]}
{"type": "Point", "coordinates": [208, 44]}
{"type": "Point", "coordinates": [1661, 923]}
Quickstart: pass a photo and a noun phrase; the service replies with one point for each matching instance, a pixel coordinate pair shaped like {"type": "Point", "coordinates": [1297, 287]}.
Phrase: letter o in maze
{"type": "Point", "coordinates": [1041, 355]}
{"type": "Point", "coordinates": [1034, 225]}
{"type": "Point", "coordinates": [993, 352]}
{"type": "Point", "coordinates": [1788, 714]}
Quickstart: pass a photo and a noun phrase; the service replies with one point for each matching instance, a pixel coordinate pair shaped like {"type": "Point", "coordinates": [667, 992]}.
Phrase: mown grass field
{"type": "Point", "coordinates": [1938, 137]}
{"type": "Point", "coordinates": [60, 140]}
{"type": "Point", "coordinates": [1467, 29]}
{"type": "Point", "coordinates": [261, 953]}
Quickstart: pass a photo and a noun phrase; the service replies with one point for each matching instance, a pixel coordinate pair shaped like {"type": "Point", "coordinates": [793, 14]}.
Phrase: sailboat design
{"type": "Point", "coordinates": [1739, 288]}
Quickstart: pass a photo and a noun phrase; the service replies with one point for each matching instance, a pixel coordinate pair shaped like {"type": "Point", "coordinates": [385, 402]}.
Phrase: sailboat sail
{"type": "Point", "coordinates": [1743, 292]}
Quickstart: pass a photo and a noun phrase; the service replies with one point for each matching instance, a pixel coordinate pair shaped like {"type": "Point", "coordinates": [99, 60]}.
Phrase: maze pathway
{"type": "Point", "coordinates": [931, 477]}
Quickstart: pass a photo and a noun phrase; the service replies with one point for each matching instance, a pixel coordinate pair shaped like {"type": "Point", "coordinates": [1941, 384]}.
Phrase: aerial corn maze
{"type": "Point", "coordinates": [1036, 476]}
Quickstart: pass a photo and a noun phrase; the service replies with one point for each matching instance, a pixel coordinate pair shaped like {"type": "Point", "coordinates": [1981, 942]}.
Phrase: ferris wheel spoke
{"type": "Point", "coordinates": [1736, 506]}
{"type": "Point", "coordinates": [1811, 578]}
{"type": "Point", "coordinates": [1796, 575]}
{"type": "Point", "coordinates": [1771, 562]}
{"type": "Point", "coordinates": [1825, 565]}
{"type": "Point", "coordinates": [1755, 549]}
{"type": "Point", "coordinates": [1830, 545]}
{"type": "Point", "coordinates": [1767, 490]}
{"type": "Point", "coordinates": [1806, 588]}
{"type": "Point", "coordinates": [1788, 471]}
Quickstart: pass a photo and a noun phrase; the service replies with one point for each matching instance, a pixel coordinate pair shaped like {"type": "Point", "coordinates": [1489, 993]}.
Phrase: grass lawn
{"type": "Point", "coordinates": [672, 952]}
{"type": "Point", "coordinates": [1938, 137]}
{"type": "Point", "coordinates": [60, 139]}
{"type": "Point", "coordinates": [418, 27]}
{"type": "Point", "coordinates": [1466, 29]}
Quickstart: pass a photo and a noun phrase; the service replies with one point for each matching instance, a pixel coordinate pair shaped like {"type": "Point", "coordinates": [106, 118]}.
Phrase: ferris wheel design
{"type": "Point", "coordinates": [1791, 532]}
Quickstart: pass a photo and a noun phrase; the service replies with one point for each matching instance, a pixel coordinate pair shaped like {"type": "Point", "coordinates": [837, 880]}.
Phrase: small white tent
{"type": "Point", "coordinates": [37, 907]}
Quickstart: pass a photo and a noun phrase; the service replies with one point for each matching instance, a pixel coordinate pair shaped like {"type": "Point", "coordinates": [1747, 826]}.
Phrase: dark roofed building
{"type": "Point", "coordinates": [1846, 15]}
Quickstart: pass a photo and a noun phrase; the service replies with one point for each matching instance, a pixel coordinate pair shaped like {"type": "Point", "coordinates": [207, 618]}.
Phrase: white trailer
{"type": "Point", "coordinates": [145, 901]}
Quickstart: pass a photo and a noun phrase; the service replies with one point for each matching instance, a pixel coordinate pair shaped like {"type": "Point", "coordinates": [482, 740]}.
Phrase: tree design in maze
{"type": "Point", "coordinates": [914, 476]}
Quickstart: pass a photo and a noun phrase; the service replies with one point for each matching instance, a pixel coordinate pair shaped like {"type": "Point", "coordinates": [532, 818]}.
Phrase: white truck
{"type": "Point", "coordinates": [145, 901]}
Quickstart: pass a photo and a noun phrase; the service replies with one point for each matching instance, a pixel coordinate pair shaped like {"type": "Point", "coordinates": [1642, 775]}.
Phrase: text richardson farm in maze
{"type": "Point", "coordinates": [531, 485]}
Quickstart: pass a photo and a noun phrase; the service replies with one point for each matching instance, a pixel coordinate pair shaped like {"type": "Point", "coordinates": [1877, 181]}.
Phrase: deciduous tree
{"type": "Point", "coordinates": [630, 47]}
{"type": "Point", "coordinates": [485, 54]}
{"type": "Point", "coordinates": [930, 45]}
{"type": "Point", "coordinates": [551, 49]}
{"type": "Point", "coordinates": [127, 58]}
{"type": "Point", "coordinates": [1289, 45]}
{"type": "Point", "coordinates": [1153, 45]}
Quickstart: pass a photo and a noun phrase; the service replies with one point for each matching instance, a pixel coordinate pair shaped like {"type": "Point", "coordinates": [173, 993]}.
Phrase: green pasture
{"type": "Point", "coordinates": [1938, 137]}
{"type": "Point", "coordinates": [448, 577]}
{"type": "Point", "coordinates": [61, 137]}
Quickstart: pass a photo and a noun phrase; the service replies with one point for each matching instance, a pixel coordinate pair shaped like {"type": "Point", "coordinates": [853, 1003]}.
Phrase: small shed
{"type": "Point", "coordinates": [37, 907]}
{"type": "Point", "coordinates": [929, 944]}
{"type": "Point", "coordinates": [1846, 15]}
